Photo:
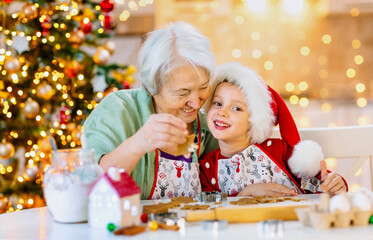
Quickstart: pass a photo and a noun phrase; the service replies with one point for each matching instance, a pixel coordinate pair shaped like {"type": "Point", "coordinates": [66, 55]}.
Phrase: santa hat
{"type": "Point", "coordinates": [267, 109]}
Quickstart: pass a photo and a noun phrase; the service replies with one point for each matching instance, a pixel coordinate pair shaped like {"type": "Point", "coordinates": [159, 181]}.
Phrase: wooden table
{"type": "Point", "coordinates": [37, 223]}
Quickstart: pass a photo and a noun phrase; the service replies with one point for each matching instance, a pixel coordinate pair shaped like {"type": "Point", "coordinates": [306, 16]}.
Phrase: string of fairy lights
{"type": "Point", "coordinates": [267, 56]}
{"type": "Point", "coordinates": [315, 56]}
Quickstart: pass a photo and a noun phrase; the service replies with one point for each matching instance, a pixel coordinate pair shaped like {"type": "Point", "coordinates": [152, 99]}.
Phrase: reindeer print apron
{"type": "Point", "coordinates": [175, 178]}
{"type": "Point", "coordinates": [249, 167]}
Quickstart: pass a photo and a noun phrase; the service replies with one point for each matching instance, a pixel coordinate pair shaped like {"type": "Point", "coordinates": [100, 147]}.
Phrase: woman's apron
{"type": "Point", "coordinates": [251, 166]}
{"type": "Point", "coordinates": [176, 178]}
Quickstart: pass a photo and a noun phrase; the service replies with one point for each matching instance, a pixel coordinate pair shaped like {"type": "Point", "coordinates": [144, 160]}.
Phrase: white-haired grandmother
{"type": "Point", "coordinates": [137, 129]}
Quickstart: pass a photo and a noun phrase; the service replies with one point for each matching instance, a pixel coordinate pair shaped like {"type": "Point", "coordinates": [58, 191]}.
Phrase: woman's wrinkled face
{"type": "Point", "coordinates": [183, 93]}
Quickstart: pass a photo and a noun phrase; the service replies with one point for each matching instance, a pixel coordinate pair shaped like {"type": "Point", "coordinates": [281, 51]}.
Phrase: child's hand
{"type": "Point", "coordinates": [267, 189]}
{"type": "Point", "coordinates": [333, 182]}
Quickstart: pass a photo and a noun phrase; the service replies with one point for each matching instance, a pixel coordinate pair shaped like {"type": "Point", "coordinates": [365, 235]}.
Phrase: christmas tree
{"type": "Point", "coordinates": [49, 83]}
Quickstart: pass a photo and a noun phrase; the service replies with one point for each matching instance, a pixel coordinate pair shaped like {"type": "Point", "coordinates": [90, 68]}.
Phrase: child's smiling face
{"type": "Point", "coordinates": [228, 116]}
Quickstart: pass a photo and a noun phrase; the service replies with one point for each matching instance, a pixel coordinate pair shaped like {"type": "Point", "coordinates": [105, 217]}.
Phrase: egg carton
{"type": "Point", "coordinates": [326, 220]}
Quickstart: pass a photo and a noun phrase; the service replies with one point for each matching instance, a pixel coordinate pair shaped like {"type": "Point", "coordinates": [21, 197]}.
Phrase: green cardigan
{"type": "Point", "coordinates": [118, 116]}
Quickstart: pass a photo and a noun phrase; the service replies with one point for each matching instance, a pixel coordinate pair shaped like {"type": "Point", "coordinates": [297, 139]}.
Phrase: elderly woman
{"type": "Point", "coordinates": [139, 129]}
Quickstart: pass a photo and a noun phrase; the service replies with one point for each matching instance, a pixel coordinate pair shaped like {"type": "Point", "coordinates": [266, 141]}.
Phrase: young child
{"type": "Point", "coordinates": [242, 111]}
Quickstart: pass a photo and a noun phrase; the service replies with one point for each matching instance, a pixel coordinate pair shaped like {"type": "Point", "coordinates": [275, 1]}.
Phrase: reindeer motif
{"type": "Point", "coordinates": [163, 188]}
{"type": "Point", "coordinates": [228, 168]}
{"type": "Point", "coordinates": [186, 180]}
{"type": "Point", "coordinates": [169, 171]}
{"type": "Point", "coordinates": [255, 172]}
{"type": "Point", "coordinates": [268, 167]}
{"type": "Point", "coordinates": [237, 161]}
{"type": "Point", "coordinates": [244, 177]}
{"type": "Point", "coordinates": [179, 168]}
{"type": "Point", "coordinates": [223, 183]}
{"type": "Point", "coordinates": [250, 154]}
{"type": "Point", "coordinates": [196, 188]}
{"type": "Point", "coordinates": [238, 183]}
{"type": "Point", "coordinates": [176, 188]}
{"type": "Point", "coordinates": [170, 194]}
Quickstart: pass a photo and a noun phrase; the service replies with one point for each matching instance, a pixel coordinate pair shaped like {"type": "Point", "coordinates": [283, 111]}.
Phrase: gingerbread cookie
{"type": "Point", "coordinates": [182, 199]}
{"type": "Point", "coordinates": [159, 208]}
{"type": "Point", "coordinates": [195, 207]}
{"type": "Point", "coordinates": [130, 231]}
{"type": "Point", "coordinates": [188, 147]}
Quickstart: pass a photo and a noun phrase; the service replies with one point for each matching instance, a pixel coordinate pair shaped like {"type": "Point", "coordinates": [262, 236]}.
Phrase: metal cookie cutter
{"type": "Point", "coordinates": [214, 225]}
{"type": "Point", "coordinates": [271, 229]}
{"type": "Point", "coordinates": [206, 197]}
{"type": "Point", "coordinates": [311, 184]}
{"type": "Point", "coordinates": [164, 217]}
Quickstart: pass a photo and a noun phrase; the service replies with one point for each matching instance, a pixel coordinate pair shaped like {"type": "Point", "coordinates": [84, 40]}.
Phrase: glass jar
{"type": "Point", "coordinates": [67, 182]}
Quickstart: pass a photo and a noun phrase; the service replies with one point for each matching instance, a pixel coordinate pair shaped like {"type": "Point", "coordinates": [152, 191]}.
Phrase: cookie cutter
{"type": "Point", "coordinates": [169, 218]}
{"type": "Point", "coordinates": [214, 225]}
{"type": "Point", "coordinates": [271, 229]}
{"type": "Point", "coordinates": [311, 184]}
{"type": "Point", "coordinates": [206, 197]}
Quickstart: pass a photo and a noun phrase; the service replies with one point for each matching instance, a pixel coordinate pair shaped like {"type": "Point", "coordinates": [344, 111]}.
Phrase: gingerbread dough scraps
{"type": "Point", "coordinates": [163, 207]}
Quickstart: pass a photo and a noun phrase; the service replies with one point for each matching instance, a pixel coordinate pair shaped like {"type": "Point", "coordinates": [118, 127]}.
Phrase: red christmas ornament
{"type": "Point", "coordinates": [46, 25]}
{"type": "Point", "coordinates": [108, 22]}
{"type": "Point", "coordinates": [45, 32]}
{"type": "Point", "coordinates": [126, 85]}
{"type": "Point", "coordinates": [64, 115]}
{"type": "Point", "coordinates": [107, 6]}
{"type": "Point", "coordinates": [144, 218]}
{"type": "Point", "coordinates": [72, 69]}
{"type": "Point", "coordinates": [86, 27]}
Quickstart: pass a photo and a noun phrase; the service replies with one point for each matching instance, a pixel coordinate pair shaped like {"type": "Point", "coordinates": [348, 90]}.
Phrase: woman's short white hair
{"type": "Point", "coordinates": [169, 48]}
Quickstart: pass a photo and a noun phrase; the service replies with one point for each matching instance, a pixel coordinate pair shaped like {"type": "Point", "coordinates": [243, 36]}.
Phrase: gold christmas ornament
{"type": "Point", "coordinates": [76, 38]}
{"type": "Point", "coordinates": [4, 204]}
{"type": "Point", "coordinates": [62, 1]}
{"type": "Point", "coordinates": [44, 91]}
{"type": "Point", "coordinates": [45, 145]}
{"type": "Point", "coordinates": [12, 65]}
{"type": "Point", "coordinates": [102, 56]}
{"type": "Point", "coordinates": [30, 172]}
{"type": "Point", "coordinates": [6, 150]}
{"type": "Point", "coordinates": [110, 46]}
{"type": "Point", "coordinates": [88, 13]}
{"type": "Point", "coordinates": [31, 108]}
{"type": "Point", "coordinates": [29, 11]}
{"type": "Point", "coordinates": [130, 70]}
{"type": "Point", "coordinates": [76, 134]}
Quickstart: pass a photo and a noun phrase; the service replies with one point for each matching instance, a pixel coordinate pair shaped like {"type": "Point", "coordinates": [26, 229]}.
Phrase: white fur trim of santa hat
{"type": "Point", "coordinates": [258, 98]}
{"type": "Point", "coordinates": [305, 160]}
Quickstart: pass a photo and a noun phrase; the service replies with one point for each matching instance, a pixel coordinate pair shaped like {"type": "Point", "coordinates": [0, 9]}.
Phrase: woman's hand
{"type": "Point", "coordinates": [267, 189]}
{"type": "Point", "coordinates": [161, 130]}
{"type": "Point", "coordinates": [333, 182]}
